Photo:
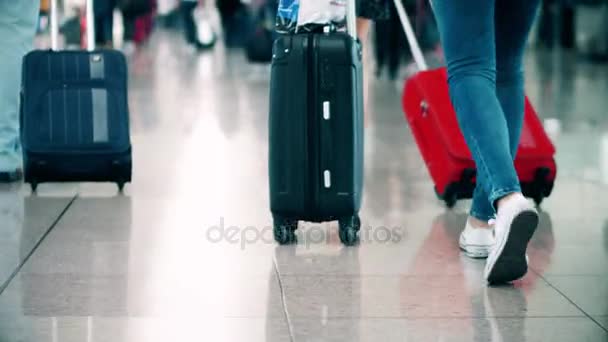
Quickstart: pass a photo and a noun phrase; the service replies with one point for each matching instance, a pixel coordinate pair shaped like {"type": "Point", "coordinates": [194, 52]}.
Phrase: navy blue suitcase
{"type": "Point", "coordinates": [75, 113]}
{"type": "Point", "coordinates": [75, 117]}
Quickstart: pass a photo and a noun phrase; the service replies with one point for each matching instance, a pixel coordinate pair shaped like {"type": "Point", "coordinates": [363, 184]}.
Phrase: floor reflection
{"type": "Point", "coordinates": [484, 307]}
{"type": "Point", "coordinates": [320, 314]}
{"type": "Point", "coordinates": [12, 208]}
{"type": "Point", "coordinates": [66, 294]}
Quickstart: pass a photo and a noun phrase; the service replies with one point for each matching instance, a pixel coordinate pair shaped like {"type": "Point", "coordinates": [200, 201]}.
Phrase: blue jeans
{"type": "Point", "coordinates": [484, 43]}
{"type": "Point", "coordinates": [18, 20]}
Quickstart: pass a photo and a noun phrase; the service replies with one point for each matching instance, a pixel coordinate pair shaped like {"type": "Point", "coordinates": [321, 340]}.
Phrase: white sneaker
{"type": "Point", "coordinates": [476, 242]}
{"type": "Point", "coordinates": [516, 222]}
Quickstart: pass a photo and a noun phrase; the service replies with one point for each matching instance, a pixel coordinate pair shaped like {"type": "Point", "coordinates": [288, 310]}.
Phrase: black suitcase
{"type": "Point", "coordinates": [316, 133]}
{"type": "Point", "coordinates": [75, 117]}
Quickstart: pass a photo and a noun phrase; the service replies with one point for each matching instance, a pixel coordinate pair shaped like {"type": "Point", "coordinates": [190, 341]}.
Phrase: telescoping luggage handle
{"type": "Point", "coordinates": [411, 36]}
{"type": "Point", "coordinates": [90, 20]}
{"type": "Point", "coordinates": [351, 18]}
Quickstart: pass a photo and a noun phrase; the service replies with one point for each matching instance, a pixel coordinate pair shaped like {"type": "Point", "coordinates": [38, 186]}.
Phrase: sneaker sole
{"type": "Point", "coordinates": [510, 262]}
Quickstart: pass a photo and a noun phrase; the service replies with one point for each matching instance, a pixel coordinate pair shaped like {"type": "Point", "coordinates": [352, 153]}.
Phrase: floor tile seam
{"type": "Point", "coordinates": [554, 287]}
{"type": "Point", "coordinates": [571, 275]}
{"type": "Point", "coordinates": [374, 275]}
{"type": "Point", "coordinates": [414, 318]}
{"type": "Point", "coordinates": [6, 284]}
{"type": "Point", "coordinates": [283, 300]}
{"type": "Point", "coordinates": [299, 317]}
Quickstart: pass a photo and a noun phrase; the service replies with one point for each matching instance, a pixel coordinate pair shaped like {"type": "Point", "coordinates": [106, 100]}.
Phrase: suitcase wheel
{"type": "Point", "coordinates": [34, 186]}
{"type": "Point", "coordinates": [450, 200]}
{"type": "Point", "coordinates": [349, 230]}
{"type": "Point", "coordinates": [538, 199]}
{"type": "Point", "coordinates": [121, 186]}
{"type": "Point", "coordinates": [284, 230]}
{"type": "Point", "coordinates": [449, 197]}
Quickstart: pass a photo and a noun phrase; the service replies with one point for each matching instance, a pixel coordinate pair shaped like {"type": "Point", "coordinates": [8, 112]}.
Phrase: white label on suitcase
{"type": "Point", "coordinates": [326, 114]}
{"type": "Point", "coordinates": [327, 178]}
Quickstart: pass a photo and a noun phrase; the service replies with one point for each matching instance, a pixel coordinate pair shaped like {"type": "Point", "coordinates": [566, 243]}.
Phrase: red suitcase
{"type": "Point", "coordinates": [433, 122]}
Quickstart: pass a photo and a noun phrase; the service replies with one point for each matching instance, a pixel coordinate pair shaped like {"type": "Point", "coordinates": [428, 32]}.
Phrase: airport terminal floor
{"type": "Point", "coordinates": [186, 253]}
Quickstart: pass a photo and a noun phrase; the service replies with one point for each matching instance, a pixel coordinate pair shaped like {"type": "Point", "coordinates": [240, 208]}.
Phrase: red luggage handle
{"type": "Point", "coordinates": [411, 36]}
{"type": "Point", "coordinates": [55, 25]}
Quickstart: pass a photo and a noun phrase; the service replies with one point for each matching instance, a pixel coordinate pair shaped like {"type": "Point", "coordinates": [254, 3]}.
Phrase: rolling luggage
{"type": "Point", "coordinates": [433, 122]}
{"type": "Point", "coordinates": [74, 114]}
{"type": "Point", "coordinates": [316, 131]}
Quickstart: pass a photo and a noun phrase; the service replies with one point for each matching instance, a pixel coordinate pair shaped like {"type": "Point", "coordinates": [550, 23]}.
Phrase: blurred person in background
{"type": "Point", "coordinates": [368, 10]}
{"type": "Point", "coordinates": [190, 27]}
{"type": "Point", "coordinates": [132, 12]}
{"type": "Point", "coordinates": [128, 22]}
{"type": "Point", "coordinates": [388, 43]}
{"type": "Point", "coordinates": [18, 22]}
{"type": "Point", "coordinates": [43, 19]}
{"type": "Point", "coordinates": [104, 22]}
{"type": "Point", "coordinates": [236, 22]}
{"type": "Point", "coordinates": [556, 23]}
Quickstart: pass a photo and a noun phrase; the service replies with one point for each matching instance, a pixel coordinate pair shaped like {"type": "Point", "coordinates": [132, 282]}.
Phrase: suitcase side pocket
{"type": "Point", "coordinates": [76, 117]}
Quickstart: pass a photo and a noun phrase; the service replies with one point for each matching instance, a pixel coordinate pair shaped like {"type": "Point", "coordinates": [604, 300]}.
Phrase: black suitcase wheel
{"type": "Point", "coordinates": [449, 197]}
{"type": "Point", "coordinates": [450, 200]}
{"type": "Point", "coordinates": [349, 230]}
{"type": "Point", "coordinates": [34, 186]}
{"type": "Point", "coordinates": [121, 186]}
{"type": "Point", "coordinates": [538, 200]}
{"type": "Point", "coordinates": [284, 230]}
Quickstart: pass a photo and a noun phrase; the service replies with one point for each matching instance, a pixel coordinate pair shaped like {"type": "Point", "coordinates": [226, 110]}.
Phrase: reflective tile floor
{"type": "Point", "coordinates": [187, 253]}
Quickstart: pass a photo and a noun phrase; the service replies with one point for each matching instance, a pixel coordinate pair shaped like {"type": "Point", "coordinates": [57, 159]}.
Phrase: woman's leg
{"type": "Point", "coordinates": [380, 45]}
{"type": "Point", "coordinates": [362, 29]}
{"type": "Point", "coordinates": [396, 38]}
{"type": "Point", "coordinates": [513, 23]}
{"type": "Point", "coordinates": [129, 27]}
{"type": "Point", "coordinates": [187, 9]}
{"type": "Point", "coordinates": [370, 10]}
{"type": "Point", "coordinates": [99, 29]}
{"type": "Point", "coordinates": [467, 32]}
{"type": "Point", "coordinates": [17, 29]}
